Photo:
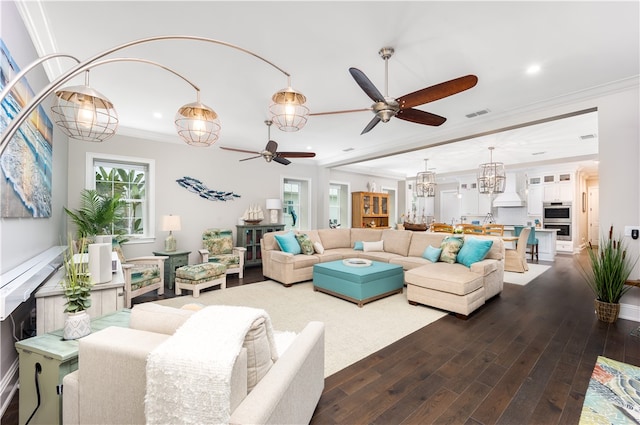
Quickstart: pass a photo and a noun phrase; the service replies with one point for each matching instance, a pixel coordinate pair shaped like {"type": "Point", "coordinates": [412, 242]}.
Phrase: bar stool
{"type": "Point", "coordinates": [531, 242]}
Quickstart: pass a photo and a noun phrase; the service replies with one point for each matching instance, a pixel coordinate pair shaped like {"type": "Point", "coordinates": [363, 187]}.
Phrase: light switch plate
{"type": "Point", "coordinates": [628, 229]}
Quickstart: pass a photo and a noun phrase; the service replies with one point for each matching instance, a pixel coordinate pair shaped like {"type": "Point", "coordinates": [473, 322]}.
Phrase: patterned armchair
{"type": "Point", "coordinates": [217, 247]}
{"type": "Point", "coordinates": [141, 274]}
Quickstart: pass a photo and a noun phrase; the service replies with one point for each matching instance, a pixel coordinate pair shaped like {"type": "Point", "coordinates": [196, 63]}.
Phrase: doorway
{"type": "Point", "coordinates": [449, 206]}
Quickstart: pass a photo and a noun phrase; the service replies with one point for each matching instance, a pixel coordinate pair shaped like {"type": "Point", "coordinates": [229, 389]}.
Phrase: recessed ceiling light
{"type": "Point", "coordinates": [347, 150]}
{"type": "Point", "coordinates": [309, 148]}
{"type": "Point", "coordinates": [157, 115]}
{"type": "Point", "coordinates": [533, 69]}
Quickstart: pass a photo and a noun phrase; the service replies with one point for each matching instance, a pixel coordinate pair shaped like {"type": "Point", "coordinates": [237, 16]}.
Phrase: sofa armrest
{"type": "Point", "coordinates": [157, 260]}
{"type": "Point", "coordinates": [484, 267]}
{"type": "Point", "coordinates": [70, 399]}
{"type": "Point", "coordinates": [281, 257]}
{"type": "Point", "coordinates": [290, 391]}
{"type": "Point", "coordinates": [239, 248]}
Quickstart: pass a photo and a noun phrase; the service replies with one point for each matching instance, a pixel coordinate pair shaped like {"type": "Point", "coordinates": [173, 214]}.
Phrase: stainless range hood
{"type": "Point", "coordinates": [510, 197]}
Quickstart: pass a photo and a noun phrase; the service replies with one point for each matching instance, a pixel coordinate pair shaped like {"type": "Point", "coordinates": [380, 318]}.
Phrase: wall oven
{"type": "Point", "coordinates": [557, 215]}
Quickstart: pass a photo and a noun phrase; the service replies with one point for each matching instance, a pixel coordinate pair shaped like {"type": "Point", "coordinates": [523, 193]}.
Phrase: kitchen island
{"type": "Point", "coordinates": [546, 242]}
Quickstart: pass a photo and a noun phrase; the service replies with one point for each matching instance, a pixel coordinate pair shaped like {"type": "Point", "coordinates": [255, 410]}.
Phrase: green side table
{"type": "Point", "coordinates": [57, 358]}
{"type": "Point", "coordinates": [176, 259]}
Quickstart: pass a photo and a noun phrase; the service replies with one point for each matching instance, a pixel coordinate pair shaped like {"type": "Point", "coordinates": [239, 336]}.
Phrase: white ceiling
{"type": "Point", "coordinates": [580, 46]}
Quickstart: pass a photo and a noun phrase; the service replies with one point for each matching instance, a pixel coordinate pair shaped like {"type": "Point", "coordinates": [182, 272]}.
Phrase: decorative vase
{"type": "Point", "coordinates": [606, 312]}
{"type": "Point", "coordinates": [77, 325]}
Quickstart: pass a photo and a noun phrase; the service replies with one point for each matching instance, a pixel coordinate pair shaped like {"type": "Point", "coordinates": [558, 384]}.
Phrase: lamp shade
{"type": "Point", "coordinates": [170, 223]}
{"type": "Point", "coordinates": [85, 114]}
{"type": "Point", "coordinates": [288, 111]}
{"type": "Point", "coordinates": [197, 124]}
{"type": "Point", "coordinates": [274, 204]}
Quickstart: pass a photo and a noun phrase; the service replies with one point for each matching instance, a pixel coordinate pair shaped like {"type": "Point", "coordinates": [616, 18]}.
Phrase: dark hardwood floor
{"type": "Point", "coordinates": [524, 357]}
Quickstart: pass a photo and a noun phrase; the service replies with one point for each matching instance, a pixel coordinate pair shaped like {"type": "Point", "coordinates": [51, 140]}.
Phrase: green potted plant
{"type": "Point", "coordinates": [97, 215]}
{"type": "Point", "coordinates": [610, 269]}
{"type": "Point", "coordinates": [77, 291]}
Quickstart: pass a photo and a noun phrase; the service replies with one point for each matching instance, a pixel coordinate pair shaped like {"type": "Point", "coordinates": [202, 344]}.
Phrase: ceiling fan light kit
{"type": "Point", "coordinates": [491, 176]}
{"type": "Point", "coordinates": [84, 113]}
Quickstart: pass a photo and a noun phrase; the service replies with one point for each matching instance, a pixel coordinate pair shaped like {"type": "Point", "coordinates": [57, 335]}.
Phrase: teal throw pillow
{"type": "Point", "coordinates": [473, 250]}
{"type": "Point", "coordinates": [306, 245]}
{"type": "Point", "coordinates": [432, 254]}
{"type": "Point", "coordinates": [288, 243]}
{"type": "Point", "coordinates": [358, 246]}
{"type": "Point", "coordinates": [450, 247]}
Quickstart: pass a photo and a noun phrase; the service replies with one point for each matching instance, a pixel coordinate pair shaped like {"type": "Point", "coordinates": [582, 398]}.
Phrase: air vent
{"type": "Point", "coordinates": [477, 113]}
{"type": "Point", "coordinates": [588, 136]}
{"type": "Point", "coordinates": [347, 150]}
{"type": "Point", "coordinates": [539, 153]}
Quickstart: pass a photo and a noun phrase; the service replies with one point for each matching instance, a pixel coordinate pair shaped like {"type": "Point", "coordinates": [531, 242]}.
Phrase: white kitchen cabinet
{"type": "Point", "coordinates": [535, 200]}
{"type": "Point", "coordinates": [473, 203]}
{"type": "Point", "coordinates": [558, 187]}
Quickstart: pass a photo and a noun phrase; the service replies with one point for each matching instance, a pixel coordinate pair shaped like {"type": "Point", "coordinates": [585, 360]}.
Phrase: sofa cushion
{"type": "Point", "coordinates": [444, 277]}
{"type": "Point", "coordinates": [473, 250]}
{"type": "Point", "coordinates": [432, 254]}
{"type": "Point", "coordinates": [318, 248]}
{"type": "Point", "coordinates": [421, 240]}
{"type": "Point", "coordinates": [450, 247]}
{"type": "Point", "coordinates": [373, 246]}
{"type": "Point", "coordinates": [288, 243]}
{"type": "Point", "coordinates": [397, 241]}
{"type": "Point", "coordinates": [358, 246]}
{"type": "Point", "coordinates": [201, 271]}
{"type": "Point", "coordinates": [365, 235]}
{"type": "Point", "coordinates": [157, 318]}
{"type": "Point", "coordinates": [306, 246]}
{"type": "Point", "coordinates": [335, 238]}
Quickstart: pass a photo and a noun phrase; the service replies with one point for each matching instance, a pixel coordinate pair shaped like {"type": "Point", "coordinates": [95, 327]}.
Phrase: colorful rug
{"type": "Point", "coordinates": [613, 396]}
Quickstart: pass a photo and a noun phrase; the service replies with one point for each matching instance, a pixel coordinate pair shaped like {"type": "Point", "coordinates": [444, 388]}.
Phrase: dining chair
{"type": "Point", "coordinates": [472, 229]}
{"type": "Point", "coordinates": [532, 242]}
{"type": "Point", "coordinates": [442, 228]}
{"type": "Point", "coordinates": [493, 229]}
{"type": "Point", "coordinates": [515, 259]}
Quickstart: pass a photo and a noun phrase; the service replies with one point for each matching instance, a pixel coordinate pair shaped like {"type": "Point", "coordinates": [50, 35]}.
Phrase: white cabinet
{"type": "Point", "coordinates": [535, 199]}
{"type": "Point", "coordinates": [472, 202]}
{"type": "Point", "coordinates": [558, 187]}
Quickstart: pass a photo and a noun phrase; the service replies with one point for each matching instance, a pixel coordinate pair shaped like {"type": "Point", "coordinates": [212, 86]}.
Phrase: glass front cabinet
{"type": "Point", "coordinates": [370, 209]}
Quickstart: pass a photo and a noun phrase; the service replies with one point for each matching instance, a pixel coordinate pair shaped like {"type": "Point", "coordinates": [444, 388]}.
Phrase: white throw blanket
{"type": "Point", "coordinates": [189, 375]}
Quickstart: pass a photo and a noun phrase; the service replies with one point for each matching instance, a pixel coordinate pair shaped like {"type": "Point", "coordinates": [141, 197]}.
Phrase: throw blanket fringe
{"type": "Point", "coordinates": [189, 375]}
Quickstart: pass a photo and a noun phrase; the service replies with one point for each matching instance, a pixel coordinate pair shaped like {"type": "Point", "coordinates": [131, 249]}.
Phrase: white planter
{"type": "Point", "coordinates": [77, 325]}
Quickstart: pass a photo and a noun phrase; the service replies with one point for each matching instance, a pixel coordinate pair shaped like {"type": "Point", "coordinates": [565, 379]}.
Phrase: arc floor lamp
{"type": "Point", "coordinates": [84, 113]}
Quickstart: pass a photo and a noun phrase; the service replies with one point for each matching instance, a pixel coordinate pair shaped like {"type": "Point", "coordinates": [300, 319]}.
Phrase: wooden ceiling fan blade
{"type": "Point", "coordinates": [271, 146]}
{"type": "Point", "coordinates": [439, 91]}
{"type": "Point", "coordinates": [346, 111]}
{"type": "Point", "coordinates": [366, 85]}
{"type": "Point", "coordinates": [371, 124]}
{"type": "Point", "coordinates": [420, 117]}
{"type": "Point", "coordinates": [297, 154]}
{"type": "Point", "coordinates": [252, 157]}
{"type": "Point", "coordinates": [237, 150]}
{"type": "Point", "coordinates": [282, 161]}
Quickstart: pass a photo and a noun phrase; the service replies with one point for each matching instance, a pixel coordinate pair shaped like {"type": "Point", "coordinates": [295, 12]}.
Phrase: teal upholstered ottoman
{"type": "Point", "coordinates": [359, 284]}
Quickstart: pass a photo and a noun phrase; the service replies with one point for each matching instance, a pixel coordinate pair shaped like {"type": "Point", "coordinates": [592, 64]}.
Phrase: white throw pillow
{"type": "Point", "coordinates": [373, 246]}
{"type": "Point", "coordinates": [317, 247]}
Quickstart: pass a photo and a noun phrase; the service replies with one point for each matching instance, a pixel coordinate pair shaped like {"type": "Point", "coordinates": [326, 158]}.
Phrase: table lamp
{"type": "Point", "coordinates": [274, 206]}
{"type": "Point", "coordinates": [170, 223]}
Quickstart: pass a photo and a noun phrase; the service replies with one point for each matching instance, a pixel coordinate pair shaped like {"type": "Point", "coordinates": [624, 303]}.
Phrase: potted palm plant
{"type": "Point", "coordinates": [77, 291]}
{"type": "Point", "coordinates": [97, 215]}
{"type": "Point", "coordinates": [610, 269]}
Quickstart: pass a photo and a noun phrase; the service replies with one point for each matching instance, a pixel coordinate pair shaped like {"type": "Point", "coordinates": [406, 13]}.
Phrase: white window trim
{"type": "Point", "coordinates": [150, 229]}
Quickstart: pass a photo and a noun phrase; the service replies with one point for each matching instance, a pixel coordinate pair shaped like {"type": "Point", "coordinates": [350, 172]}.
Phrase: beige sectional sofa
{"type": "Point", "coordinates": [451, 287]}
{"type": "Point", "coordinates": [109, 386]}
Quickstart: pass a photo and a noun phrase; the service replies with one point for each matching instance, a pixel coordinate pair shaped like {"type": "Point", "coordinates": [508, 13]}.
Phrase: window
{"type": "Point", "coordinates": [295, 210]}
{"type": "Point", "coordinates": [338, 205]}
{"type": "Point", "coordinates": [131, 179]}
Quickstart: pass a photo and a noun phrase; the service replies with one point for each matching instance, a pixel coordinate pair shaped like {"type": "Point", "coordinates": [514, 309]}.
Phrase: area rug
{"type": "Point", "coordinates": [534, 271]}
{"type": "Point", "coordinates": [613, 396]}
{"type": "Point", "coordinates": [351, 332]}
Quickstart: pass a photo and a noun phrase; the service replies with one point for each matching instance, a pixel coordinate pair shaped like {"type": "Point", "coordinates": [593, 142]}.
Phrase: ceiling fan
{"type": "Point", "coordinates": [270, 151]}
{"type": "Point", "coordinates": [386, 107]}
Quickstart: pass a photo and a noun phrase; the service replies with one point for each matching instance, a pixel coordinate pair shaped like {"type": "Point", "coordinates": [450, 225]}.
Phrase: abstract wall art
{"type": "Point", "coordinates": [196, 186]}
